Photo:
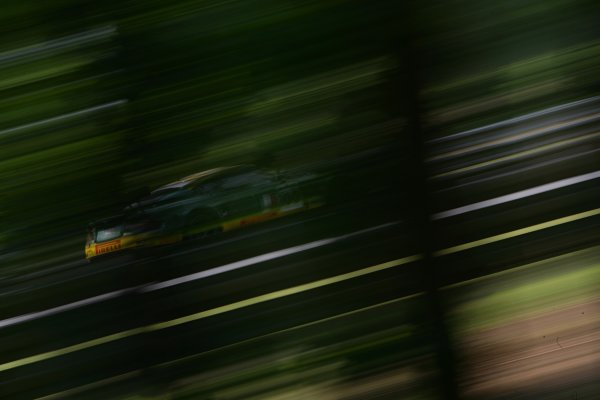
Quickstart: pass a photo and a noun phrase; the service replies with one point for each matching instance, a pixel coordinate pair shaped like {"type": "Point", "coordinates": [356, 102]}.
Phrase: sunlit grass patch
{"type": "Point", "coordinates": [517, 296]}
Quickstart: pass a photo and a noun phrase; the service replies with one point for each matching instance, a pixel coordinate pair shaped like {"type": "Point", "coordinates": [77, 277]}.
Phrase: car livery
{"type": "Point", "coordinates": [107, 247]}
{"type": "Point", "coordinates": [202, 204]}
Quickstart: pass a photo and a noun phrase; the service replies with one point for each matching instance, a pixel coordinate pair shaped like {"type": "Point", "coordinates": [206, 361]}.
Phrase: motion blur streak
{"type": "Point", "coordinates": [254, 340]}
{"type": "Point", "coordinates": [56, 310]}
{"type": "Point", "coordinates": [516, 156]}
{"type": "Point", "coordinates": [560, 258]}
{"type": "Point", "coordinates": [515, 120]}
{"type": "Point", "coordinates": [259, 259]}
{"type": "Point", "coordinates": [519, 232]}
{"type": "Point", "coordinates": [70, 349]}
{"type": "Point", "coordinates": [518, 195]}
{"type": "Point", "coordinates": [58, 45]}
{"type": "Point", "coordinates": [63, 117]}
{"type": "Point", "coordinates": [298, 327]}
{"type": "Point", "coordinates": [95, 385]}
{"type": "Point", "coordinates": [287, 292]}
{"type": "Point", "coordinates": [524, 169]}
{"type": "Point", "coordinates": [516, 137]}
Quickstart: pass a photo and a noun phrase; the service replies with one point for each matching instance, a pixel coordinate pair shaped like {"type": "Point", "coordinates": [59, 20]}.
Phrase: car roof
{"type": "Point", "coordinates": [200, 176]}
{"type": "Point", "coordinates": [107, 222]}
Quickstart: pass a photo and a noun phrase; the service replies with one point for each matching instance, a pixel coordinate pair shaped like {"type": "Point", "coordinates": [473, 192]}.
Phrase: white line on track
{"type": "Point", "coordinates": [518, 195]}
{"type": "Point", "coordinates": [260, 259]}
{"type": "Point", "coordinates": [66, 307]}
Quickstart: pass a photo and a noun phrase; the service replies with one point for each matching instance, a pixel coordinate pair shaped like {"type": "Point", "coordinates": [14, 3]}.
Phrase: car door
{"type": "Point", "coordinates": [246, 194]}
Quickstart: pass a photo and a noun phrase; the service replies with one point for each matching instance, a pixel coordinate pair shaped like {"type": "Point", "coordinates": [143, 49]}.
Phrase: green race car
{"type": "Point", "coordinates": [202, 204]}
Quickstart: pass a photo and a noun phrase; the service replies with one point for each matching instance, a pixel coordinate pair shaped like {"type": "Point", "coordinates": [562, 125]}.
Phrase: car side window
{"type": "Point", "coordinates": [207, 187]}
{"type": "Point", "coordinates": [253, 178]}
{"type": "Point", "coordinates": [141, 226]}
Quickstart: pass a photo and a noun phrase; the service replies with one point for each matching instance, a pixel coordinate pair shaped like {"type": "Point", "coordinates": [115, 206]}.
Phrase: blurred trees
{"type": "Point", "coordinates": [188, 85]}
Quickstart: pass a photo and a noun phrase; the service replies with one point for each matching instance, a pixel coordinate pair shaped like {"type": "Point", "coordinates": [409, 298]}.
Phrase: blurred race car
{"type": "Point", "coordinates": [204, 204]}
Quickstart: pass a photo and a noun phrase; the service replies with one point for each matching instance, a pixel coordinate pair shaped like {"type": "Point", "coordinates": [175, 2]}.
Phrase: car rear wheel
{"type": "Point", "coordinates": [201, 223]}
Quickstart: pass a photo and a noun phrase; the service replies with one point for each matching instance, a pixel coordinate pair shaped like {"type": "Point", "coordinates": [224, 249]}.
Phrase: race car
{"type": "Point", "coordinates": [203, 204]}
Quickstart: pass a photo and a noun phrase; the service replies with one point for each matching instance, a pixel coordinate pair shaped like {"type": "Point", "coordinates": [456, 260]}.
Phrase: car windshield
{"type": "Point", "coordinates": [102, 235]}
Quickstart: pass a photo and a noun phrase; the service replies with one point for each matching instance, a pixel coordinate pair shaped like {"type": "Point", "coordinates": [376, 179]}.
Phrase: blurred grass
{"type": "Point", "coordinates": [515, 297]}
